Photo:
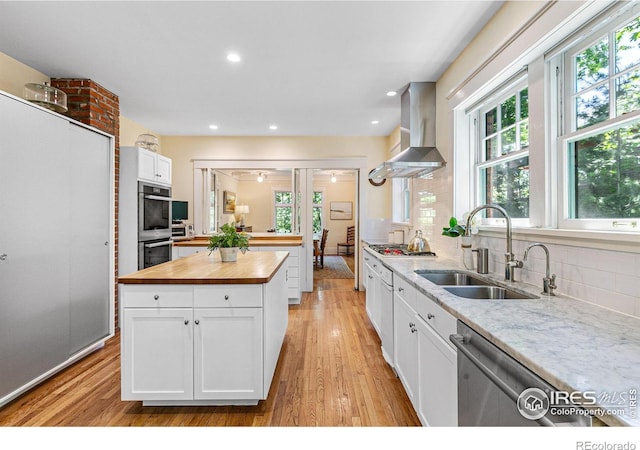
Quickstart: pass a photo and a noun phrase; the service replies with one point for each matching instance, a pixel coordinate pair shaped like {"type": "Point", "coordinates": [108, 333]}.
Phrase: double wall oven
{"type": "Point", "coordinates": [154, 224]}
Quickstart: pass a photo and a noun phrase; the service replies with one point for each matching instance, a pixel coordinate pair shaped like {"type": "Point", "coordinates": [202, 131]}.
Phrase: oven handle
{"type": "Point", "coordinates": [158, 244]}
{"type": "Point", "coordinates": [157, 197]}
{"type": "Point", "coordinates": [458, 341]}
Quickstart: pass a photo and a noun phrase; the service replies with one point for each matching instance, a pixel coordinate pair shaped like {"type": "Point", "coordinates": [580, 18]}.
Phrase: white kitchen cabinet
{"type": "Point", "coordinates": [374, 291]}
{"type": "Point", "coordinates": [212, 344]}
{"type": "Point", "coordinates": [153, 167]}
{"type": "Point", "coordinates": [292, 275]}
{"type": "Point", "coordinates": [161, 340]}
{"type": "Point", "coordinates": [405, 341]}
{"type": "Point", "coordinates": [438, 375]}
{"type": "Point", "coordinates": [56, 243]}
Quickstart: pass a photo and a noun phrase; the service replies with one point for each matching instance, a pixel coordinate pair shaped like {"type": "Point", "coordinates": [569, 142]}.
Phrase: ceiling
{"type": "Point", "coordinates": [311, 68]}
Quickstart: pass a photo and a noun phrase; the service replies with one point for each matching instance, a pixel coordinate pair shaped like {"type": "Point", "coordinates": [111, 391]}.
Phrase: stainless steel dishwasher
{"type": "Point", "coordinates": [496, 390]}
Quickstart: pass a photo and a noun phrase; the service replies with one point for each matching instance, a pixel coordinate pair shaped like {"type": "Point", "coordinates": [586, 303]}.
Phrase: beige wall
{"type": "Point", "coordinates": [183, 150]}
{"type": "Point", "coordinates": [14, 75]}
{"type": "Point", "coordinates": [130, 130]}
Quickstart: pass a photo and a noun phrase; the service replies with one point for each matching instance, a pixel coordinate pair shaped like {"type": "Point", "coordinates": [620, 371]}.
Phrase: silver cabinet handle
{"type": "Point", "coordinates": [197, 322]}
{"type": "Point", "coordinates": [430, 316]}
{"type": "Point", "coordinates": [3, 257]}
{"type": "Point", "coordinates": [156, 297]}
{"type": "Point", "coordinates": [370, 277]}
{"type": "Point", "coordinates": [226, 297]}
{"type": "Point", "coordinates": [186, 322]}
{"type": "Point", "coordinates": [400, 289]}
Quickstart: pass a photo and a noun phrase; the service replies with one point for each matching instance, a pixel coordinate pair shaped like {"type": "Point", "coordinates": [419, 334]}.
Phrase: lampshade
{"type": "Point", "coordinates": [242, 209]}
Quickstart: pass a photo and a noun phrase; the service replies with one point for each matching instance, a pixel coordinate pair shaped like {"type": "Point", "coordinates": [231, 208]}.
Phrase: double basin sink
{"type": "Point", "coordinates": [468, 286]}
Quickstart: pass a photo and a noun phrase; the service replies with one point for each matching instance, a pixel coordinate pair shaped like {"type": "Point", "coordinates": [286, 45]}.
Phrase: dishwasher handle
{"type": "Point", "coordinates": [458, 341]}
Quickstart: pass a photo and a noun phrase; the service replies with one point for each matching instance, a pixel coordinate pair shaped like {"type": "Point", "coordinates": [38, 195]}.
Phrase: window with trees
{"type": "Point", "coordinates": [601, 137]}
{"type": "Point", "coordinates": [283, 204]}
{"type": "Point", "coordinates": [502, 157]}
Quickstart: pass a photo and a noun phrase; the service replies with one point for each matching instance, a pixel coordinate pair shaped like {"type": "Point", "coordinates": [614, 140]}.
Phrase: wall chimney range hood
{"type": "Point", "coordinates": [419, 155]}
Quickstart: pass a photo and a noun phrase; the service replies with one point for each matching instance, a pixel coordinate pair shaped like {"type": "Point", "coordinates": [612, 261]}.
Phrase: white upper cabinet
{"type": "Point", "coordinates": [153, 167]}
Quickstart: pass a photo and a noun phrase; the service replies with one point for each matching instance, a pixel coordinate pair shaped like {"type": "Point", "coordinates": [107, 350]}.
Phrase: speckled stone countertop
{"type": "Point", "coordinates": [573, 345]}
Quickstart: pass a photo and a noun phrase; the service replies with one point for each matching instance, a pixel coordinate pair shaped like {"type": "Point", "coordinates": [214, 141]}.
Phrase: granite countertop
{"type": "Point", "coordinates": [572, 344]}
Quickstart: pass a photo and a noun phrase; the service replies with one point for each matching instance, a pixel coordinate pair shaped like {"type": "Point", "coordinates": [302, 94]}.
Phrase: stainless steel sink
{"type": "Point", "coordinates": [450, 278]}
{"type": "Point", "coordinates": [487, 293]}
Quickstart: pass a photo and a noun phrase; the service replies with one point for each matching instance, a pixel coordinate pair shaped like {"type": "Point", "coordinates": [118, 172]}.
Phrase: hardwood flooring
{"type": "Point", "coordinates": [330, 373]}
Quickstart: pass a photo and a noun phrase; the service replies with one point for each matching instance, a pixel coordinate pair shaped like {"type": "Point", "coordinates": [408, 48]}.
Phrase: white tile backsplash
{"type": "Point", "coordinates": [607, 278]}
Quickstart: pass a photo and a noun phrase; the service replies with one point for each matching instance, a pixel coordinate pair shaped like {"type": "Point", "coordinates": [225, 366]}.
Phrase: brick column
{"type": "Point", "coordinates": [90, 103]}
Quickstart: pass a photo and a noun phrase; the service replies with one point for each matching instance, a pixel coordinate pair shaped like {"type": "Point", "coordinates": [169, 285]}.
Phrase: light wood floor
{"type": "Point", "coordinates": [330, 373]}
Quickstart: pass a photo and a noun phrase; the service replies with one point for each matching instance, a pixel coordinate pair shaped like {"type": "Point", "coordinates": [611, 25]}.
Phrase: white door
{"type": "Point", "coordinates": [34, 250]}
{"type": "Point", "coordinates": [228, 357]}
{"type": "Point", "coordinates": [89, 227]}
{"type": "Point", "coordinates": [438, 375]}
{"type": "Point", "coordinates": [406, 346]}
{"type": "Point", "coordinates": [146, 165]}
{"type": "Point", "coordinates": [157, 354]}
{"type": "Point", "coordinates": [163, 169]}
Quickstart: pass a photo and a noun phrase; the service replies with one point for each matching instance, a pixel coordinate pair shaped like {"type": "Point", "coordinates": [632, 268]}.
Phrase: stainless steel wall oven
{"type": "Point", "coordinates": [154, 224]}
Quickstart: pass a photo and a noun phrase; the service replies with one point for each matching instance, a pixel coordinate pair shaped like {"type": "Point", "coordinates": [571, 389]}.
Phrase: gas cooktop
{"type": "Point", "coordinates": [397, 250]}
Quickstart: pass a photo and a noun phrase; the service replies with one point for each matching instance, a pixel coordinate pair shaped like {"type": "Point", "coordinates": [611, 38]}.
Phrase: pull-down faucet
{"type": "Point", "coordinates": [548, 282]}
{"type": "Point", "coordinates": [511, 264]}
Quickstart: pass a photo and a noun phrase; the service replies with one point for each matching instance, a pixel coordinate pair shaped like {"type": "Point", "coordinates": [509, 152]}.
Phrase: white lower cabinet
{"type": "Point", "coordinates": [405, 340]}
{"type": "Point", "coordinates": [438, 402]}
{"type": "Point", "coordinates": [425, 361]}
{"type": "Point", "coordinates": [374, 287]}
{"type": "Point", "coordinates": [202, 344]}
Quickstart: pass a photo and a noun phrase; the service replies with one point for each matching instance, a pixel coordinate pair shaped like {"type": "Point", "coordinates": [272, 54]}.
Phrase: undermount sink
{"type": "Point", "coordinates": [450, 278]}
{"type": "Point", "coordinates": [487, 293]}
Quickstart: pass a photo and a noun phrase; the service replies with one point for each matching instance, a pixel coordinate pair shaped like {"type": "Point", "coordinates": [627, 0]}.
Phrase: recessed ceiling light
{"type": "Point", "coordinates": [375, 122]}
{"type": "Point", "coordinates": [273, 127]}
{"type": "Point", "coordinates": [391, 94]}
{"type": "Point", "coordinates": [213, 127]}
{"type": "Point", "coordinates": [233, 57]}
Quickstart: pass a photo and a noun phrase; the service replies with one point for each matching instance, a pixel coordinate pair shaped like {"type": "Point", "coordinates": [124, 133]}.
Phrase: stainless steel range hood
{"type": "Point", "coordinates": [419, 155]}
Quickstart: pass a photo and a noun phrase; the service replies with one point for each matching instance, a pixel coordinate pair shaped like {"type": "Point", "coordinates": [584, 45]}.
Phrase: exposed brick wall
{"type": "Point", "coordinates": [90, 103]}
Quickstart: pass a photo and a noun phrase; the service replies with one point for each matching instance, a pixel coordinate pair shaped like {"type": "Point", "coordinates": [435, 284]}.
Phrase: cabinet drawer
{"type": "Point", "coordinates": [156, 296]}
{"type": "Point", "coordinates": [405, 290]}
{"type": "Point", "coordinates": [228, 296]}
{"type": "Point", "coordinates": [293, 272]}
{"type": "Point", "coordinates": [440, 320]}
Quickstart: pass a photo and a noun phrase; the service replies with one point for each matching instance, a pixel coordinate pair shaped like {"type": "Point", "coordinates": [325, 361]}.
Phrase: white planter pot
{"type": "Point", "coordinates": [229, 254]}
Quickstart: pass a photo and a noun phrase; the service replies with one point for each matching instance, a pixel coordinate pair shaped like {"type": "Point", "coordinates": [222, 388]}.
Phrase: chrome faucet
{"type": "Point", "coordinates": [511, 264]}
{"type": "Point", "coordinates": [548, 282]}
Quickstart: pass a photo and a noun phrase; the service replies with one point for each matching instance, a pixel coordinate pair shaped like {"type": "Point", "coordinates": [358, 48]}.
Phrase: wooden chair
{"type": "Point", "coordinates": [319, 250]}
{"type": "Point", "coordinates": [350, 242]}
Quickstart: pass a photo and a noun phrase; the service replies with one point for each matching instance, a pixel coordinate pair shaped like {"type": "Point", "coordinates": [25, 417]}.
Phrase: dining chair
{"type": "Point", "coordinates": [350, 241]}
{"type": "Point", "coordinates": [319, 250]}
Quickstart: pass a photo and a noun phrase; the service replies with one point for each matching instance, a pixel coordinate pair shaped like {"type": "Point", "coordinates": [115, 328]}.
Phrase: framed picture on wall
{"type": "Point", "coordinates": [341, 210]}
{"type": "Point", "coordinates": [228, 202]}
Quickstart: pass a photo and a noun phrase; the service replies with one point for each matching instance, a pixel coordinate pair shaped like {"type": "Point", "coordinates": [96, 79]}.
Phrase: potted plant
{"type": "Point", "coordinates": [229, 241]}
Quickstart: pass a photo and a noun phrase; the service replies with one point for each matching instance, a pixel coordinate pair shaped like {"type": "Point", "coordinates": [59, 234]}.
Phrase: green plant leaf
{"type": "Point", "coordinates": [453, 222]}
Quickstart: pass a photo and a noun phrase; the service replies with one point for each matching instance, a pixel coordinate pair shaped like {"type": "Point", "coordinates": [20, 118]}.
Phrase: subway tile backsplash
{"type": "Point", "coordinates": [603, 277]}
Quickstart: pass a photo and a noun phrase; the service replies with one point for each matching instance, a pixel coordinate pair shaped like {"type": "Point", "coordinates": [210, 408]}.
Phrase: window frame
{"type": "Point", "coordinates": [564, 97]}
{"type": "Point", "coordinates": [276, 205]}
{"type": "Point", "coordinates": [401, 210]}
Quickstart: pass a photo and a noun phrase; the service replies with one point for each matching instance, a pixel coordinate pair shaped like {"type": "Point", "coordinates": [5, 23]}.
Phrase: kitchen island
{"type": "Point", "coordinates": [197, 331]}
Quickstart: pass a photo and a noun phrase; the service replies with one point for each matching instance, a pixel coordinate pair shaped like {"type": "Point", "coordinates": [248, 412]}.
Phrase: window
{"type": "Point", "coordinates": [502, 159]}
{"type": "Point", "coordinates": [601, 137]}
{"type": "Point", "coordinates": [284, 205]}
{"type": "Point", "coordinates": [401, 200]}
{"type": "Point", "coordinates": [283, 208]}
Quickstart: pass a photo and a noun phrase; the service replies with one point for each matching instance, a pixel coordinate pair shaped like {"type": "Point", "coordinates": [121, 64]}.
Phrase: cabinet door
{"type": "Point", "coordinates": [89, 226]}
{"type": "Point", "coordinates": [163, 169]}
{"type": "Point", "coordinates": [146, 165]}
{"type": "Point", "coordinates": [438, 375]}
{"type": "Point", "coordinates": [34, 271]}
{"type": "Point", "coordinates": [228, 358]}
{"type": "Point", "coordinates": [405, 341]}
{"type": "Point", "coordinates": [157, 354]}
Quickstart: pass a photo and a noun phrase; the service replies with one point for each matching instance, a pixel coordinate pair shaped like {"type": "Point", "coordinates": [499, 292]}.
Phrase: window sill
{"type": "Point", "coordinates": [606, 240]}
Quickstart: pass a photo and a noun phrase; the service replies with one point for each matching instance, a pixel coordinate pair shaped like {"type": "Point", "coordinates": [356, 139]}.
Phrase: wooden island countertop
{"type": "Point", "coordinates": [205, 268]}
{"type": "Point", "coordinates": [257, 240]}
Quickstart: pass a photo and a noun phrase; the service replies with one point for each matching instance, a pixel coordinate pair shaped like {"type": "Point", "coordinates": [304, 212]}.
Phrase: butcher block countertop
{"type": "Point", "coordinates": [256, 240]}
{"type": "Point", "coordinates": [205, 268]}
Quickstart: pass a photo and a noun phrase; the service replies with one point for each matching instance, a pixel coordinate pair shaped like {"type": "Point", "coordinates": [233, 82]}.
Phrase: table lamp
{"type": "Point", "coordinates": [241, 210]}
